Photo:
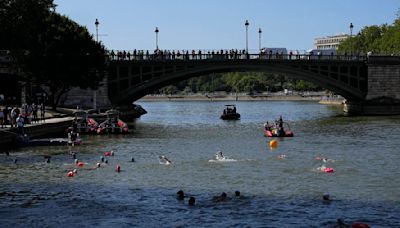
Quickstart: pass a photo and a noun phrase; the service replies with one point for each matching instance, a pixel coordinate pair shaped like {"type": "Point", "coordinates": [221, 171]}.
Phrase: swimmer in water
{"type": "Point", "coordinates": [237, 193]}
{"type": "Point", "coordinates": [219, 155]}
{"type": "Point", "coordinates": [223, 197]}
{"type": "Point", "coordinates": [326, 198]}
{"type": "Point", "coordinates": [282, 156]}
{"type": "Point", "coordinates": [164, 160]}
{"type": "Point", "coordinates": [192, 201]}
{"type": "Point", "coordinates": [180, 195]}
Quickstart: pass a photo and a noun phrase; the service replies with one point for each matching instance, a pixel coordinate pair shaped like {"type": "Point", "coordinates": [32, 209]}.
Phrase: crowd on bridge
{"type": "Point", "coordinates": [231, 54]}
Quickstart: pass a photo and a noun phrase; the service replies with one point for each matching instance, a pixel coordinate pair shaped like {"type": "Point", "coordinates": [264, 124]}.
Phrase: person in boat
{"type": "Point", "coordinates": [75, 125]}
{"type": "Point", "coordinates": [267, 126]}
{"type": "Point", "coordinates": [281, 131]}
{"type": "Point", "coordinates": [280, 122]}
{"type": "Point", "coordinates": [234, 110]}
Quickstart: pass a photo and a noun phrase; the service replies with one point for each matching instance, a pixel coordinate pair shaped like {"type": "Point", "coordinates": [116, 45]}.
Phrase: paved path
{"type": "Point", "coordinates": [48, 126]}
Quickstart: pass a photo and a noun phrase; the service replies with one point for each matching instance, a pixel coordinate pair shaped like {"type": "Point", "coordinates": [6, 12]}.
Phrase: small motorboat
{"type": "Point", "coordinates": [230, 113]}
{"type": "Point", "coordinates": [82, 123]}
{"type": "Point", "coordinates": [112, 124]}
{"type": "Point", "coordinates": [280, 129]}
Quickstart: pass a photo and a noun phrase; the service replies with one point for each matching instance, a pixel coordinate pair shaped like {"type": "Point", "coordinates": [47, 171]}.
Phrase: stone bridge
{"type": "Point", "coordinates": [371, 85]}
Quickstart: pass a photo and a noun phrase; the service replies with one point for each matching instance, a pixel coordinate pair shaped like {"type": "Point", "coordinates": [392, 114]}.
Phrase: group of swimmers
{"type": "Point", "coordinates": [180, 195]}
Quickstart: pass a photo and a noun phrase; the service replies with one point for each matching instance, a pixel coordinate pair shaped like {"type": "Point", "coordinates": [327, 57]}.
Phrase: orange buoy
{"type": "Point", "coordinates": [329, 170]}
{"type": "Point", "coordinates": [109, 153]}
{"type": "Point", "coordinates": [118, 169]}
{"type": "Point", "coordinates": [359, 225]}
{"type": "Point", "coordinates": [80, 164]}
{"type": "Point", "coordinates": [273, 144]}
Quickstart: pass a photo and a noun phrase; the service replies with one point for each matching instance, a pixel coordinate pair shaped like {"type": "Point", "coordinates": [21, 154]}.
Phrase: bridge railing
{"type": "Point", "coordinates": [224, 56]}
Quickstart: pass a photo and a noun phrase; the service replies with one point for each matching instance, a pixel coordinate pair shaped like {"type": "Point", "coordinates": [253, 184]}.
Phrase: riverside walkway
{"type": "Point", "coordinates": [47, 127]}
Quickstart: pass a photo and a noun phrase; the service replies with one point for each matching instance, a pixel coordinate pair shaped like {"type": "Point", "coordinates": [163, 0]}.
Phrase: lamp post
{"type": "Point", "coordinates": [351, 38]}
{"type": "Point", "coordinates": [156, 31]}
{"type": "Point", "coordinates": [247, 31]}
{"type": "Point", "coordinates": [96, 23]}
{"type": "Point", "coordinates": [259, 38]}
{"type": "Point", "coordinates": [97, 29]}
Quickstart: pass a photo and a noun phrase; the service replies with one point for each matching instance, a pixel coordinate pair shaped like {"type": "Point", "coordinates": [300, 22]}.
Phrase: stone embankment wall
{"type": "Point", "coordinates": [383, 97]}
{"type": "Point", "coordinates": [383, 81]}
{"type": "Point", "coordinates": [84, 97]}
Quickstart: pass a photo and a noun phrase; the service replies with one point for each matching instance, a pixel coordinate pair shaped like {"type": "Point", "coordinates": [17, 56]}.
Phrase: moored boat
{"type": "Point", "coordinates": [230, 113]}
{"type": "Point", "coordinates": [83, 124]}
{"type": "Point", "coordinates": [112, 124]}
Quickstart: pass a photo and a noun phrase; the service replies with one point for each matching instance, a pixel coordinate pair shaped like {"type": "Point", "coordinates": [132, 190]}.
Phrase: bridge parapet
{"type": "Point", "coordinates": [126, 56]}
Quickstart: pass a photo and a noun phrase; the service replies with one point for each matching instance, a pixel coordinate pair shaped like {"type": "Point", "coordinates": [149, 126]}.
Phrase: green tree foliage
{"type": "Point", "coordinates": [247, 82]}
{"type": "Point", "coordinates": [51, 49]}
{"type": "Point", "coordinates": [384, 39]}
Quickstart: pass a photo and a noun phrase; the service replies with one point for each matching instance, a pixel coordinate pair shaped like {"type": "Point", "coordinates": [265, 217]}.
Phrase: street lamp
{"type": "Point", "coordinates": [97, 29]}
{"type": "Point", "coordinates": [259, 38]}
{"type": "Point", "coordinates": [247, 31]}
{"type": "Point", "coordinates": [156, 31]}
{"type": "Point", "coordinates": [351, 38]}
{"type": "Point", "coordinates": [96, 23]}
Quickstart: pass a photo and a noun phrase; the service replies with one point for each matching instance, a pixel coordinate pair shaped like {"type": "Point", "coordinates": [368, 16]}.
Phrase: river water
{"type": "Point", "coordinates": [364, 151]}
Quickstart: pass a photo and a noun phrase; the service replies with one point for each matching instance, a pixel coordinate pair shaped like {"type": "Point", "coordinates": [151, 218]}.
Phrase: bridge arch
{"type": "Point", "coordinates": [133, 80]}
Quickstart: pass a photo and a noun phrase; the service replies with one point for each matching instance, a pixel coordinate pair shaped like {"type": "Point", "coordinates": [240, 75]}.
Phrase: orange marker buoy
{"type": "Point", "coordinates": [273, 144]}
{"type": "Point", "coordinates": [80, 164]}
{"type": "Point", "coordinates": [359, 225]}
{"type": "Point", "coordinates": [329, 170]}
{"type": "Point", "coordinates": [109, 153]}
{"type": "Point", "coordinates": [118, 169]}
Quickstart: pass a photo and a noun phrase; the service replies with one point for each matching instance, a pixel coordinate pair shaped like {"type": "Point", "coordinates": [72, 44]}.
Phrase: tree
{"type": "Point", "coordinates": [384, 39]}
{"type": "Point", "coordinates": [51, 49]}
{"type": "Point", "coordinates": [68, 57]}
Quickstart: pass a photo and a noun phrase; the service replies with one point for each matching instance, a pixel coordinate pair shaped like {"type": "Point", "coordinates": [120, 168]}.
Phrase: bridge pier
{"type": "Point", "coordinates": [383, 96]}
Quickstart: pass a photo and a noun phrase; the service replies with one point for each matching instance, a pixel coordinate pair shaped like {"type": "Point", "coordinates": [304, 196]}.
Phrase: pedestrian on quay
{"type": "Point", "coordinates": [34, 112]}
{"type": "Point", "coordinates": [6, 119]}
{"type": "Point", "coordinates": [42, 112]}
{"type": "Point", "coordinates": [13, 115]}
{"type": "Point", "coordinates": [1, 118]}
{"type": "Point", "coordinates": [20, 124]}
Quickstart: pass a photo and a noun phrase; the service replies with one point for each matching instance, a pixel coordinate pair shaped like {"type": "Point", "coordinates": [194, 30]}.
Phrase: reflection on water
{"type": "Point", "coordinates": [275, 192]}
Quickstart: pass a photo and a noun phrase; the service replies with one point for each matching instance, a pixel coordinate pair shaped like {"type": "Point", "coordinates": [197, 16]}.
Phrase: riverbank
{"type": "Point", "coordinates": [232, 97]}
{"type": "Point", "coordinates": [320, 97]}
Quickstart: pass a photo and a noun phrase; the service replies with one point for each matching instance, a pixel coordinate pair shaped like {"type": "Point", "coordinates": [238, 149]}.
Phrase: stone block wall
{"type": "Point", "coordinates": [383, 81]}
{"type": "Point", "coordinates": [84, 98]}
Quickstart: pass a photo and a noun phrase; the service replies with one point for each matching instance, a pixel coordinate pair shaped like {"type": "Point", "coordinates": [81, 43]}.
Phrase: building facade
{"type": "Point", "coordinates": [329, 42]}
